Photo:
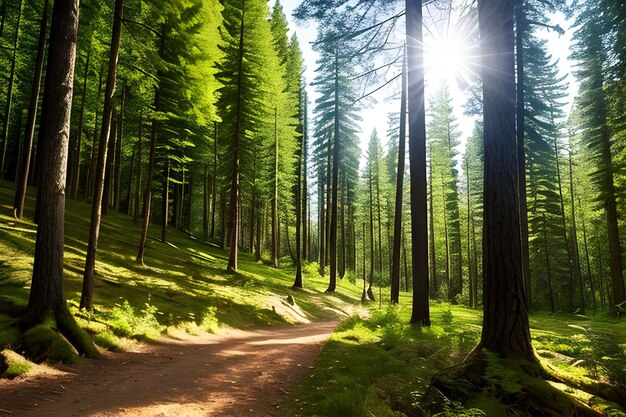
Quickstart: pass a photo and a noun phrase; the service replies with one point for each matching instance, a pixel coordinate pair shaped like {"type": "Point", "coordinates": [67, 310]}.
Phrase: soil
{"type": "Point", "coordinates": [234, 373]}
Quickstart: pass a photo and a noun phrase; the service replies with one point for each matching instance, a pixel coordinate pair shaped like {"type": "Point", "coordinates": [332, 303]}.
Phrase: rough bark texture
{"type": "Point", "coordinates": [46, 294]}
{"type": "Point", "coordinates": [86, 299]}
{"type": "Point", "coordinates": [417, 156]}
{"type": "Point", "coordinates": [505, 320]}
{"type": "Point", "coordinates": [520, 20]}
{"type": "Point", "coordinates": [22, 178]}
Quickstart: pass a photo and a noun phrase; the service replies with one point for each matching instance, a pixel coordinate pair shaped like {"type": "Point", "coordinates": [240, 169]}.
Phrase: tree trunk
{"type": "Point", "coordinates": [165, 199]}
{"type": "Point", "coordinates": [22, 178]}
{"type": "Point", "coordinates": [9, 97]}
{"type": "Point", "coordinates": [139, 166]}
{"type": "Point", "coordinates": [335, 186]}
{"type": "Point", "coordinates": [370, 292]}
{"type": "Point", "coordinates": [46, 293]}
{"type": "Point", "coordinates": [548, 268]}
{"type": "Point", "coordinates": [450, 293]}
{"type": "Point", "coordinates": [397, 219]}
{"type": "Point", "coordinates": [304, 193]}
{"type": "Point", "coordinates": [94, 145]}
{"type": "Point", "coordinates": [417, 157]}
{"type": "Point", "coordinates": [234, 185]}
{"type": "Point", "coordinates": [299, 159]}
{"type": "Point", "coordinates": [75, 165]}
{"type": "Point", "coordinates": [576, 249]}
{"type": "Point", "coordinates": [589, 275]}
{"type": "Point", "coordinates": [275, 235]}
{"type": "Point", "coordinates": [521, 27]}
{"type": "Point", "coordinates": [322, 227]}
{"type": "Point", "coordinates": [214, 182]}
{"type": "Point", "coordinates": [147, 202]}
{"type": "Point", "coordinates": [108, 168]}
{"type": "Point", "coordinates": [86, 299]}
{"type": "Point", "coordinates": [570, 257]}
{"type": "Point", "coordinates": [432, 252]}
{"type": "Point", "coordinates": [505, 320]}
{"type": "Point", "coordinates": [117, 173]}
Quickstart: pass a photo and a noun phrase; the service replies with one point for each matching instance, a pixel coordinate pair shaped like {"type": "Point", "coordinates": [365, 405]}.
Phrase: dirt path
{"type": "Point", "coordinates": [238, 373]}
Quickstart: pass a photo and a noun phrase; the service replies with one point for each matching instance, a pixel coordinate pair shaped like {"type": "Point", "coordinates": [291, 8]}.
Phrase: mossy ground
{"type": "Point", "coordinates": [183, 286]}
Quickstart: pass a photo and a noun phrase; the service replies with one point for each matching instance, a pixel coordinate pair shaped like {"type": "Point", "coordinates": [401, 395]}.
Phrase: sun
{"type": "Point", "coordinates": [446, 59]}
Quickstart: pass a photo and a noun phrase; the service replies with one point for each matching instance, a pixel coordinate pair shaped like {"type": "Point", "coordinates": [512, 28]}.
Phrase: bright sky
{"type": "Point", "coordinates": [441, 59]}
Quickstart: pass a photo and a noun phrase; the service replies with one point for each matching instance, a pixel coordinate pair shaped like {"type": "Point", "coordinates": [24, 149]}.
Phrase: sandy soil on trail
{"type": "Point", "coordinates": [237, 373]}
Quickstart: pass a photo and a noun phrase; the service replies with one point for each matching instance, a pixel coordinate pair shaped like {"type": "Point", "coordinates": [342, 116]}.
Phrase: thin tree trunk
{"type": "Point", "coordinates": [117, 178]}
{"type": "Point", "coordinates": [603, 295]}
{"type": "Point", "coordinates": [22, 179]}
{"type": "Point", "coordinates": [322, 227]}
{"type": "Point", "coordinates": [139, 165]}
{"type": "Point", "coordinates": [370, 292]}
{"type": "Point", "coordinates": [450, 293]}
{"type": "Point", "coordinates": [275, 235]}
{"type": "Point", "coordinates": [397, 219]}
{"type": "Point", "coordinates": [417, 156]}
{"type": "Point", "coordinates": [131, 177]}
{"type": "Point", "coordinates": [165, 199]}
{"type": "Point", "coordinates": [575, 239]}
{"type": "Point", "coordinates": [234, 185]}
{"type": "Point", "coordinates": [432, 252]}
{"type": "Point", "coordinates": [472, 301]}
{"type": "Point", "coordinates": [147, 202]}
{"type": "Point", "coordinates": [570, 257]}
{"type": "Point", "coordinates": [9, 97]}
{"type": "Point", "coordinates": [75, 165]}
{"type": "Point", "coordinates": [214, 182]}
{"type": "Point", "coordinates": [86, 299]}
{"type": "Point", "coordinates": [108, 168]}
{"type": "Point", "coordinates": [342, 263]}
{"type": "Point", "coordinates": [94, 144]}
{"type": "Point", "coordinates": [335, 185]}
{"type": "Point", "coordinates": [304, 193]}
{"type": "Point", "coordinates": [589, 275]}
{"type": "Point", "coordinates": [548, 268]}
{"type": "Point", "coordinates": [299, 212]}
{"type": "Point", "coordinates": [205, 202]}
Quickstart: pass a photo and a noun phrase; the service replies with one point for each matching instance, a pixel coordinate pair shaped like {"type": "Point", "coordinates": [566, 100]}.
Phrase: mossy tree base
{"type": "Point", "coordinates": [57, 338]}
{"type": "Point", "coordinates": [501, 387]}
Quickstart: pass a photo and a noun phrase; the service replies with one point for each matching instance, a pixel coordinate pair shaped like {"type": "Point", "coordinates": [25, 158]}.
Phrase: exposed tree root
{"type": "Point", "coordinates": [517, 386]}
{"type": "Point", "coordinates": [57, 337]}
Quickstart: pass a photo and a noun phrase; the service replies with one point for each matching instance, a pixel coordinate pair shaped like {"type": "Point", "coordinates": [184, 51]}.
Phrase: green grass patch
{"type": "Point", "coordinates": [387, 364]}
{"type": "Point", "coordinates": [183, 286]}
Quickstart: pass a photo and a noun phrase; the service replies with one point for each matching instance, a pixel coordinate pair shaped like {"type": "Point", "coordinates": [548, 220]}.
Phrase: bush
{"type": "Point", "coordinates": [125, 321]}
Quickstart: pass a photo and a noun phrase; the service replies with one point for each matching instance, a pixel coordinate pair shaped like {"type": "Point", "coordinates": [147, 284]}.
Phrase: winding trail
{"type": "Point", "coordinates": [236, 373]}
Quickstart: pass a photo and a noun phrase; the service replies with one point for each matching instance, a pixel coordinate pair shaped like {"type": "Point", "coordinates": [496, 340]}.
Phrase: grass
{"type": "Point", "coordinates": [381, 363]}
{"type": "Point", "coordinates": [184, 285]}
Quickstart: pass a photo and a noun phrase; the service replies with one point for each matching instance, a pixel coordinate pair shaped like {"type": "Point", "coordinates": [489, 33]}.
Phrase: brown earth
{"type": "Point", "coordinates": [235, 373]}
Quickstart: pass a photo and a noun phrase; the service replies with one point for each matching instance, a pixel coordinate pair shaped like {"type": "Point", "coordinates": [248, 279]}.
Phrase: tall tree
{"type": "Point", "coordinates": [46, 294]}
{"type": "Point", "coordinates": [397, 223]}
{"type": "Point", "coordinates": [417, 156]}
{"type": "Point", "coordinates": [86, 299]}
{"type": "Point", "coordinates": [22, 178]}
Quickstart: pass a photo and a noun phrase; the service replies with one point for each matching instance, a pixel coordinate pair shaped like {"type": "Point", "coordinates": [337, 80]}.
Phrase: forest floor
{"type": "Point", "coordinates": [234, 373]}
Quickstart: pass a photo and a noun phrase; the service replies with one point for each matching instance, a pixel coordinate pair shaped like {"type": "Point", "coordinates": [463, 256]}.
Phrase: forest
{"type": "Point", "coordinates": [394, 208]}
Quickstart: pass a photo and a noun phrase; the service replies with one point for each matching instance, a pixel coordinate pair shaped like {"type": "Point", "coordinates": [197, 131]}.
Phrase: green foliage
{"type": "Point", "coordinates": [43, 342]}
{"type": "Point", "coordinates": [126, 321]}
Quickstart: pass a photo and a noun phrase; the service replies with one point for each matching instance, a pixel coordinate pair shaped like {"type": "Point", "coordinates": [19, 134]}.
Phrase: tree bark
{"type": "Point", "coordinates": [521, 27]}
{"type": "Point", "coordinates": [335, 185]}
{"type": "Point", "coordinates": [234, 185]}
{"type": "Point", "coordinates": [275, 235]}
{"type": "Point", "coordinates": [505, 320]}
{"type": "Point", "coordinates": [432, 250]}
{"type": "Point", "coordinates": [117, 172]}
{"type": "Point", "coordinates": [214, 182]}
{"type": "Point", "coordinates": [417, 156]}
{"type": "Point", "coordinates": [139, 166]}
{"type": "Point", "coordinates": [165, 199]}
{"type": "Point", "coordinates": [46, 294]}
{"type": "Point", "coordinates": [75, 165]}
{"type": "Point", "coordinates": [86, 299]}
{"type": "Point", "coordinates": [397, 219]}
{"type": "Point", "coordinates": [22, 178]}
